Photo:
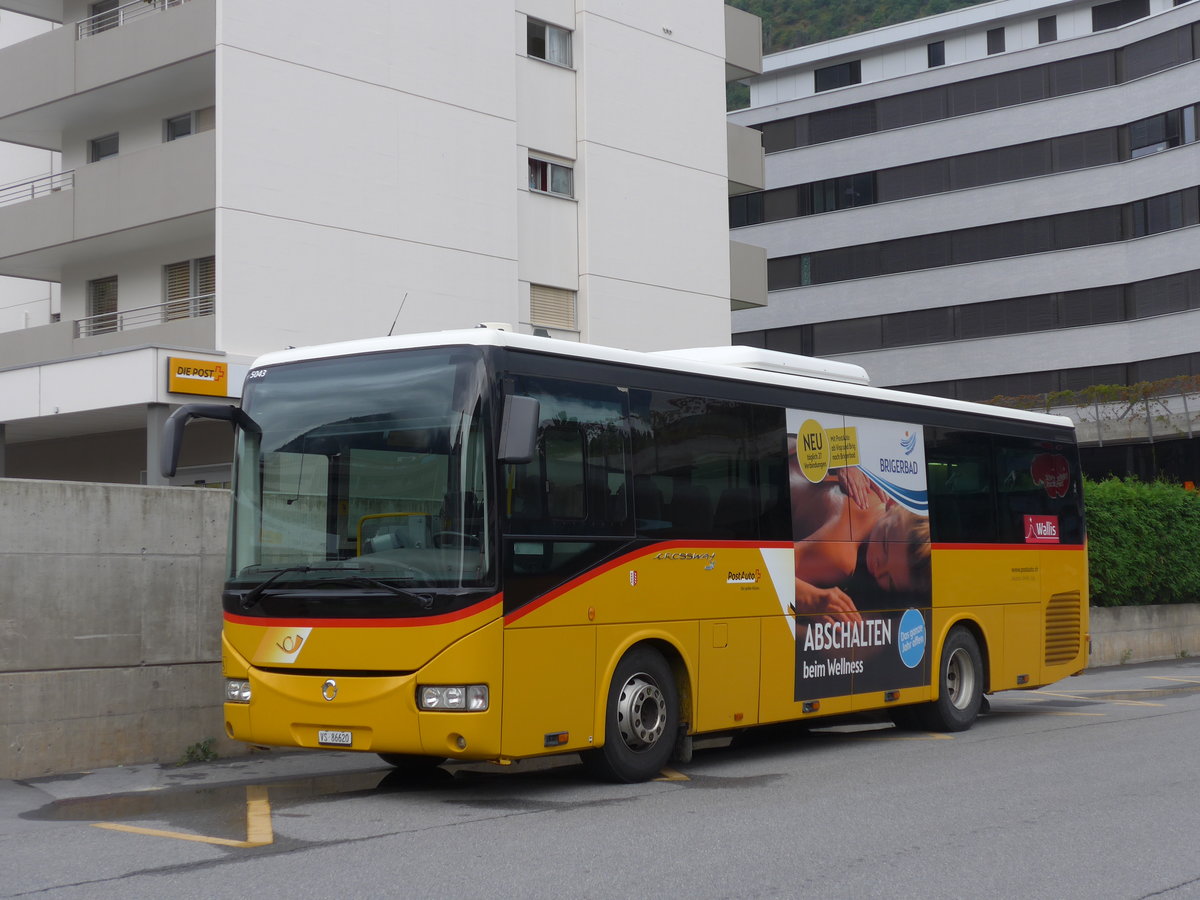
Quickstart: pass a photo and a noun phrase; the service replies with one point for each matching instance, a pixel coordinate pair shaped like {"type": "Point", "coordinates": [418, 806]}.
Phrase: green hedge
{"type": "Point", "coordinates": [1143, 543]}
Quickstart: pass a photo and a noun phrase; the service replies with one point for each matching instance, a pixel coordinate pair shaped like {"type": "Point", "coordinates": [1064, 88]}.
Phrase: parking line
{"type": "Point", "coordinates": [671, 775]}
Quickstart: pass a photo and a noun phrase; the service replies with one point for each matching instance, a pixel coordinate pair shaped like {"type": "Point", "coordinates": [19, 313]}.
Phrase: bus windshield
{"type": "Point", "coordinates": [370, 474]}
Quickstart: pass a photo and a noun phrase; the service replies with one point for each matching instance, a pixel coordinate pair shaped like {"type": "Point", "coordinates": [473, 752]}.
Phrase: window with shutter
{"type": "Point", "coordinates": [552, 307]}
{"type": "Point", "coordinates": [206, 276]}
{"type": "Point", "coordinates": [178, 289]}
{"type": "Point", "coordinates": [102, 305]}
{"type": "Point", "coordinates": [188, 284]}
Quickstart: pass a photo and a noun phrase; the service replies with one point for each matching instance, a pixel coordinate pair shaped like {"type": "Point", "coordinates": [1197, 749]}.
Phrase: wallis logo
{"type": "Point", "coordinates": [1041, 529]}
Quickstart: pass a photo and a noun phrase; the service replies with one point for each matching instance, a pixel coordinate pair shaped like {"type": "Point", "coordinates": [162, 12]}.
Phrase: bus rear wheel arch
{"type": "Point", "coordinates": [641, 718]}
{"type": "Point", "coordinates": [961, 681]}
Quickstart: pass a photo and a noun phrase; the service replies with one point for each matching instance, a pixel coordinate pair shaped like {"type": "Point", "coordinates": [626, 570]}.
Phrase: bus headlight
{"type": "Point", "coordinates": [237, 690]}
{"type": "Point", "coordinates": [460, 697]}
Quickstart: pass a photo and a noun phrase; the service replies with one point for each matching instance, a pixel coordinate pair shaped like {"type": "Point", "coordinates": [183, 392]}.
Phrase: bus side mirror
{"type": "Point", "coordinates": [518, 429]}
{"type": "Point", "coordinates": [172, 437]}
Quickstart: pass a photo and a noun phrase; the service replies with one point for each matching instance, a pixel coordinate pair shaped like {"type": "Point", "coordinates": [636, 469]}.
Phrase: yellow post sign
{"type": "Point", "coordinates": [197, 376]}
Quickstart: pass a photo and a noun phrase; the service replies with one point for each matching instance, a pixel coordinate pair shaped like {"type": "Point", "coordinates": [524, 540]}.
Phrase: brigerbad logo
{"type": "Point", "coordinates": [744, 577]}
{"type": "Point", "coordinates": [909, 442]}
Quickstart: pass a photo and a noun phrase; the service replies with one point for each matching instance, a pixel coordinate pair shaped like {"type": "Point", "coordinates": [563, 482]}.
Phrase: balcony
{"type": "Point", "coordinates": [747, 171]}
{"type": "Point", "coordinates": [747, 276]}
{"type": "Point", "coordinates": [36, 187]}
{"type": "Point", "coordinates": [122, 15]}
{"type": "Point", "coordinates": [188, 322]}
{"type": "Point", "coordinates": [162, 193]}
{"type": "Point", "coordinates": [56, 79]}
{"type": "Point", "coordinates": [743, 44]}
{"type": "Point", "coordinates": [145, 316]}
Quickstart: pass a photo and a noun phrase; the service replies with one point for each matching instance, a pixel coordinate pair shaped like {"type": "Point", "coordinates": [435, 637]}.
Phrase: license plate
{"type": "Point", "coordinates": [335, 738]}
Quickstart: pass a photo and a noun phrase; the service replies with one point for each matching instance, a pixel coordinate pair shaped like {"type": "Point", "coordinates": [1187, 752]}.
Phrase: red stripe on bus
{"type": "Point", "coordinates": [442, 619]}
{"type": "Point", "coordinates": [1007, 546]}
{"type": "Point", "coordinates": [699, 546]}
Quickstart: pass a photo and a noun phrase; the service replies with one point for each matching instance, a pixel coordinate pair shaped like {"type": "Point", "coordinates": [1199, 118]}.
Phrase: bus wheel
{"type": "Point", "coordinates": [641, 719]}
{"type": "Point", "coordinates": [960, 685]}
{"type": "Point", "coordinates": [411, 763]}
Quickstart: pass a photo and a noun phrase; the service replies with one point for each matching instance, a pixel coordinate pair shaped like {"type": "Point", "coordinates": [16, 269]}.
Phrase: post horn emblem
{"type": "Point", "coordinates": [329, 689]}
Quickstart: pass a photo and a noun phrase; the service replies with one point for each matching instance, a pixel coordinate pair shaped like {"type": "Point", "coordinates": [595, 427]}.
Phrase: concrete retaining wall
{"type": "Point", "coordinates": [109, 624]}
{"type": "Point", "coordinates": [1125, 634]}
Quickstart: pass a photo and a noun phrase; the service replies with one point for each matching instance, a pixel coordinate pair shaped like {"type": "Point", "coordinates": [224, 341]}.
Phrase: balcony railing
{"type": "Point", "coordinates": [144, 316]}
{"type": "Point", "coordinates": [37, 187]}
{"type": "Point", "coordinates": [118, 16]}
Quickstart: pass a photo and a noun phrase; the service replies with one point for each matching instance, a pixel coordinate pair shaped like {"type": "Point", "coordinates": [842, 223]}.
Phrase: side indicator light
{"type": "Point", "coordinates": [891, 696]}
{"type": "Point", "coordinates": [811, 706]}
{"type": "Point", "coordinates": [557, 738]}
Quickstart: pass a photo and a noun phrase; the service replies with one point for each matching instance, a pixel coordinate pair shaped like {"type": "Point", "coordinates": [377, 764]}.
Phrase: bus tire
{"type": "Point", "coordinates": [960, 685]}
{"type": "Point", "coordinates": [411, 763]}
{"type": "Point", "coordinates": [641, 719]}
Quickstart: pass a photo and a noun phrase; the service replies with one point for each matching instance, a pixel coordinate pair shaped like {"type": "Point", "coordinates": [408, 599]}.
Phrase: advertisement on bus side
{"type": "Point", "coordinates": [860, 526]}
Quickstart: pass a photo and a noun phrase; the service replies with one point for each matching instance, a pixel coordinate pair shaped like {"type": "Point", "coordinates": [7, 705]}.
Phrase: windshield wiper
{"type": "Point", "coordinates": [252, 596]}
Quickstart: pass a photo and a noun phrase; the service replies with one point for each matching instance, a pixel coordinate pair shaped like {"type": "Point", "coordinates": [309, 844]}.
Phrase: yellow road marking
{"type": "Point", "coordinates": [258, 825]}
{"type": "Point", "coordinates": [1174, 678]}
{"type": "Point", "coordinates": [671, 775]}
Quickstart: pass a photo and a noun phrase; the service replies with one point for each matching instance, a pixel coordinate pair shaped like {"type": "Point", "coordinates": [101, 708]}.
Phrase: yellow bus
{"type": "Point", "coordinates": [481, 545]}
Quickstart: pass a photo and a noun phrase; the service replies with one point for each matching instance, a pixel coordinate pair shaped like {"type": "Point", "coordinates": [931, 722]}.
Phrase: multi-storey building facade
{"type": "Point", "coordinates": [1001, 200]}
{"type": "Point", "coordinates": [23, 303]}
{"type": "Point", "coordinates": [240, 177]}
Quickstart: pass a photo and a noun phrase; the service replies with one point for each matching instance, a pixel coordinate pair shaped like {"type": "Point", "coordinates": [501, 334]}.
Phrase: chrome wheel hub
{"type": "Point", "coordinates": [641, 712]}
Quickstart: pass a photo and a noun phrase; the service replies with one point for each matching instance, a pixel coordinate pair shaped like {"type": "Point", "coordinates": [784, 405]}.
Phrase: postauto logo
{"type": "Point", "coordinates": [744, 577]}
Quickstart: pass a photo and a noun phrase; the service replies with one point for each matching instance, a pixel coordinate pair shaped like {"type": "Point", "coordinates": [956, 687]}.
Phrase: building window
{"type": "Point", "coordinates": [548, 42]}
{"type": "Point", "coordinates": [188, 287]}
{"type": "Point", "coordinates": [1047, 29]}
{"type": "Point", "coordinates": [1111, 15]}
{"type": "Point", "coordinates": [841, 75]}
{"type": "Point", "coordinates": [103, 147]}
{"type": "Point", "coordinates": [552, 307]}
{"type": "Point", "coordinates": [1027, 85]}
{"type": "Point", "coordinates": [101, 307]}
{"type": "Point", "coordinates": [995, 41]}
{"type": "Point", "coordinates": [551, 178]}
{"type": "Point", "coordinates": [1155, 134]}
{"type": "Point", "coordinates": [1085, 228]}
{"type": "Point", "coordinates": [179, 126]}
{"type": "Point", "coordinates": [104, 15]}
{"type": "Point", "coordinates": [936, 53]}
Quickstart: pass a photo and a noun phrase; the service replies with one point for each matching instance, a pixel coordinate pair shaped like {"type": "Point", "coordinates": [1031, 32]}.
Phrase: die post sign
{"type": "Point", "coordinates": [197, 376]}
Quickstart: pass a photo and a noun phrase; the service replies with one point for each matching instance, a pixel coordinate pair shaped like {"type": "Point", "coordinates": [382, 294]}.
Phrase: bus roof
{"type": "Point", "coordinates": [746, 364]}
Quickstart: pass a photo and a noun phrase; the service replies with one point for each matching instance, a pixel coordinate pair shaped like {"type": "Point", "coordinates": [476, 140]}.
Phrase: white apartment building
{"type": "Point", "coordinates": [23, 303]}
{"type": "Point", "coordinates": [241, 177]}
{"type": "Point", "coordinates": [999, 200]}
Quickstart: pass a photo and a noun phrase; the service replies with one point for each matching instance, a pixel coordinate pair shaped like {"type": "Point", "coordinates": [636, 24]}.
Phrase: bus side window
{"type": "Point", "coordinates": [707, 468]}
{"type": "Point", "coordinates": [1037, 478]}
{"type": "Point", "coordinates": [961, 502]}
{"type": "Point", "coordinates": [576, 483]}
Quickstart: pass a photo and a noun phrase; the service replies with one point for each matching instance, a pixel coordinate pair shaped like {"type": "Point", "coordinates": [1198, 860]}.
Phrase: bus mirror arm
{"type": "Point", "coordinates": [172, 438]}
{"type": "Point", "coordinates": [518, 429]}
